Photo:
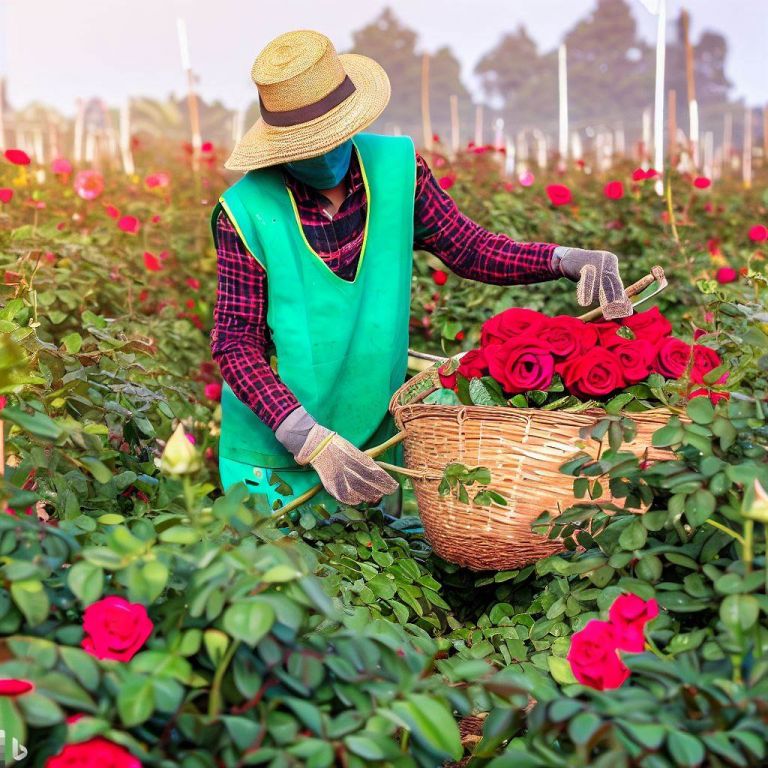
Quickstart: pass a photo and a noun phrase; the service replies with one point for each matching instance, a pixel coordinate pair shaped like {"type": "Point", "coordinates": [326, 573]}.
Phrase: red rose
{"type": "Point", "coordinates": [593, 657]}
{"type": "Point", "coordinates": [758, 233]}
{"type": "Point", "coordinates": [510, 324]}
{"type": "Point", "coordinates": [12, 687]}
{"type": "Point", "coordinates": [17, 156]}
{"type": "Point", "coordinates": [447, 380]}
{"type": "Point", "coordinates": [650, 325]}
{"type": "Point", "coordinates": [607, 333]}
{"type": "Point", "coordinates": [567, 336]}
{"type": "Point", "coordinates": [473, 364]}
{"type": "Point", "coordinates": [701, 182]}
{"type": "Point", "coordinates": [704, 361]}
{"type": "Point", "coordinates": [726, 275]}
{"type": "Point", "coordinates": [446, 182]}
{"type": "Point", "coordinates": [6, 194]}
{"type": "Point", "coordinates": [213, 391]}
{"type": "Point", "coordinates": [629, 614]}
{"type": "Point", "coordinates": [94, 753]}
{"type": "Point", "coordinates": [714, 397]}
{"type": "Point", "coordinates": [614, 190]}
{"type": "Point", "coordinates": [129, 224]}
{"type": "Point", "coordinates": [440, 277]}
{"type": "Point", "coordinates": [115, 628]}
{"type": "Point", "coordinates": [595, 374]}
{"type": "Point", "coordinates": [521, 365]}
{"type": "Point", "coordinates": [558, 194]}
{"type": "Point", "coordinates": [672, 357]}
{"type": "Point", "coordinates": [636, 358]}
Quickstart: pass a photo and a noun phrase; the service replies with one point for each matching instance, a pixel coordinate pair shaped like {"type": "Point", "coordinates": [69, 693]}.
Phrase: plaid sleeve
{"type": "Point", "coordinates": [240, 337]}
{"type": "Point", "coordinates": [465, 247]}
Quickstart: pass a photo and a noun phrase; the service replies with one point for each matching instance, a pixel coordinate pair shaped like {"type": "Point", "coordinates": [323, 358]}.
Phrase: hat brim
{"type": "Point", "coordinates": [263, 145]}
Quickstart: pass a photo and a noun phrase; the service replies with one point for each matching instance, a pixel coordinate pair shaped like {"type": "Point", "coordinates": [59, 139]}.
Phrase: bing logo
{"type": "Point", "coordinates": [19, 751]}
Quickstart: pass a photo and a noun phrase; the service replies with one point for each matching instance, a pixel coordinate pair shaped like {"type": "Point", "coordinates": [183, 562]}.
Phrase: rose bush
{"type": "Point", "coordinates": [315, 641]}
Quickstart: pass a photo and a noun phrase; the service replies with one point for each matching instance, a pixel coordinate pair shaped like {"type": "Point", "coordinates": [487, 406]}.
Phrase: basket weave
{"type": "Point", "coordinates": [522, 448]}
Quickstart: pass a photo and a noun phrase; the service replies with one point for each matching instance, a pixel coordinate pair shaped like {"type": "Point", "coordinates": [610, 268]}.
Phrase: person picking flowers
{"type": "Point", "coordinates": [315, 246]}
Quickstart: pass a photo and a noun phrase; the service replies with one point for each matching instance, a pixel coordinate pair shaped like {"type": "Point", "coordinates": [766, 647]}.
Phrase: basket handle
{"type": "Point", "coordinates": [423, 384]}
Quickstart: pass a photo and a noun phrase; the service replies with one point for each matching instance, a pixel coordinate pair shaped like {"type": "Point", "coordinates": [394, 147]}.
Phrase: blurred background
{"type": "Point", "coordinates": [84, 79]}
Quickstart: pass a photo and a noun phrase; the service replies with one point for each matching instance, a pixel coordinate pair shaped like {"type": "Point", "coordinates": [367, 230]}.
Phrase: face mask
{"type": "Point", "coordinates": [326, 171]}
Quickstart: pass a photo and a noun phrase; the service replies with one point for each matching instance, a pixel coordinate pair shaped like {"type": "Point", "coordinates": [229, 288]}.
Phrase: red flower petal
{"type": "Point", "coordinates": [558, 194]}
{"type": "Point", "coordinates": [6, 195]}
{"type": "Point", "coordinates": [13, 687]}
{"type": "Point", "coordinates": [702, 182]}
{"type": "Point", "coordinates": [129, 224]}
{"type": "Point", "coordinates": [440, 277]}
{"type": "Point", "coordinates": [151, 262]}
{"type": "Point", "coordinates": [17, 156]}
{"type": "Point", "coordinates": [758, 233]}
{"type": "Point", "coordinates": [445, 182]}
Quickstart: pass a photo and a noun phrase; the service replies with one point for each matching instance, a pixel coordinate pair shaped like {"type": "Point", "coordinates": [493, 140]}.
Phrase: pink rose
{"type": "Point", "coordinates": [593, 657]}
{"type": "Point", "coordinates": [94, 753]}
{"type": "Point", "coordinates": [629, 614]}
{"type": "Point", "coordinates": [115, 628]}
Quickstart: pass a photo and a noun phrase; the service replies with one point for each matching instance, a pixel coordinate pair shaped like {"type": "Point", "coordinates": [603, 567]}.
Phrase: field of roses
{"type": "Point", "coordinates": [147, 619]}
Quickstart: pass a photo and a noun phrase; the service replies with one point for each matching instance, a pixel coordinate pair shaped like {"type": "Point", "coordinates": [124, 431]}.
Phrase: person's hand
{"type": "Point", "coordinates": [598, 279]}
{"type": "Point", "coordinates": [349, 475]}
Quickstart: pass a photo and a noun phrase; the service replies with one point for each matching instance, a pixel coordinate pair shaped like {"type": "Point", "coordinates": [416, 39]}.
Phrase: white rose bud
{"type": "Point", "coordinates": [179, 455]}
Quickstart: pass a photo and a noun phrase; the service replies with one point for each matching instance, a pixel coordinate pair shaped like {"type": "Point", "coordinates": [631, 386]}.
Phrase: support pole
{"type": "Point", "coordinates": [426, 119]}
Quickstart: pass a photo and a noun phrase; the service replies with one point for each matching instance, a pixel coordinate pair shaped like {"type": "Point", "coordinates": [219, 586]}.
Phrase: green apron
{"type": "Point", "coordinates": [341, 346]}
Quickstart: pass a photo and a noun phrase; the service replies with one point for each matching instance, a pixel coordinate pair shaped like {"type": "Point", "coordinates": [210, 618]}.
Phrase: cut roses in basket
{"type": "Point", "coordinates": [529, 360]}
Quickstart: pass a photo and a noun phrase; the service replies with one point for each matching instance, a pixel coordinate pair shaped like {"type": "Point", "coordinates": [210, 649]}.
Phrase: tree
{"type": "Point", "coordinates": [393, 45]}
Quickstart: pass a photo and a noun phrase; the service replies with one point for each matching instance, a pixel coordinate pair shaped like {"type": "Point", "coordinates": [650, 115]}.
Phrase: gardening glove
{"type": "Point", "coordinates": [349, 475]}
{"type": "Point", "coordinates": [598, 279]}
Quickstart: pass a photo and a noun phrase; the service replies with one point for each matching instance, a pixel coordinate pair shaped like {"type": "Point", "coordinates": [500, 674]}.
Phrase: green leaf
{"type": "Point", "coordinates": [633, 536]}
{"type": "Point", "coordinates": [431, 724]}
{"type": "Point", "coordinates": [249, 620]}
{"type": "Point", "coordinates": [583, 727]}
{"type": "Point", "coordinates": [136, 700]}
{"type": "Point", "coordinates": [699, 507]}
{"type": "Point", "coordinates": [700, 410]}
{"type": "Point", "coordinates": [486, 392]}
{"type": "Point", "coordinates": [372, 746]}
{"type": "Point", "coordinates": [281, 574]}
{"type": "Point", "coordinates": [37, 424]}
{"type": "Point", "coordinates": [617, 404]}
{"type": "Point", "coordinates": [32, 600]}
{"type": "Point", "coordinates": [739, 612]}
{"type": "Point", "coordinates": [561, 671]}
{"type": "Point", "coordinates": [100, 471]}
{"type": "Point", "coordinates": [72, 342]}
{"type": "Point", "coordinates": [86, 581]}
{"type": "Point", "coordinates": [686, 750]}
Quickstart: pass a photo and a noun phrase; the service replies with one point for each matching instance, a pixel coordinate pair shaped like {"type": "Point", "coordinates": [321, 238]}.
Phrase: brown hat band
{"type": "Point", "coordinates": [308, 112]}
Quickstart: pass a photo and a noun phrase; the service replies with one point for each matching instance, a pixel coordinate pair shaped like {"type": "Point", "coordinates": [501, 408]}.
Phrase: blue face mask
{"type": "Point", "coordinates": [325, 171]}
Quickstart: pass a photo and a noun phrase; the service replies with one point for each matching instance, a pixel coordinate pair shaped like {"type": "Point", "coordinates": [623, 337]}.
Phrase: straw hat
{"type": "Point", "coordinates": [311, 100]}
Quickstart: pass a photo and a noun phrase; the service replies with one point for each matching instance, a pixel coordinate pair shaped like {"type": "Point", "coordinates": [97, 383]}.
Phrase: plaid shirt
{"type": "Point", "coordinates": [240, 337]}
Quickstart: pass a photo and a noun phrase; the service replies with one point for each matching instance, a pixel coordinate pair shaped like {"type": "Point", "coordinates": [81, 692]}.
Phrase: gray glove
{"type": "Point", "coordinates": [349, 475]}
{"type": "Point", "coordinates": [597, 274]}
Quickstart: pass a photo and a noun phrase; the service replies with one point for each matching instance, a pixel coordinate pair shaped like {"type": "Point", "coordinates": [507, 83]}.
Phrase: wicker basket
{"type": "Point", "coordinates": [522, 448]}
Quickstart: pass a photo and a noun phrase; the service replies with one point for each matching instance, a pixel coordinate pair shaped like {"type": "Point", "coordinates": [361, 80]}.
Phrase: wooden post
{"type": "Point", "coordinates": [672, 124]}
{"type": "Point", "coordinates": [77, 149]}
{"type": "Point", "coordinates": [746, 160]}
{"type": "Point", "coordinates": [426, 120]}
{"type": "Point", "coordinates": [479, 126]}
{"type": "Point", "coordinates": [727, 141]}
{"type": "Point", "coordinates": [194, 114]}
{"type": "Point", "coordinates": [708, 154]}
{"type": "Point", "coordinates": [562, 81]}
{"type": "Point", "coordinates": [455, 131]}
{"type": "Point", "coordinates": [125, 138]}
{"type": "Point", "coordinates": [765, 135]}
{"type": "Point", "coordinates": [2, 113]}
{"type": "Point", "coordinates": [693, 105]}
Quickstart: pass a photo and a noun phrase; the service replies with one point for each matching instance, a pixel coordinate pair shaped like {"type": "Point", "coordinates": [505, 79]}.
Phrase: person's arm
{"type": "Point", "coordinates": [473, 252]}
{"type": "Point", "coordinates": [239, 345]}
{"type": "Point", "coordinates": [239, 338]}
{"type": "Point", "coordinates": [468, 249]}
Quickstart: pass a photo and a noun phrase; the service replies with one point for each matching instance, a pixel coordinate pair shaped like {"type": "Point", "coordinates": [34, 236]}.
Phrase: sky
{"type": "Point", "coordinates": [56, 50]}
